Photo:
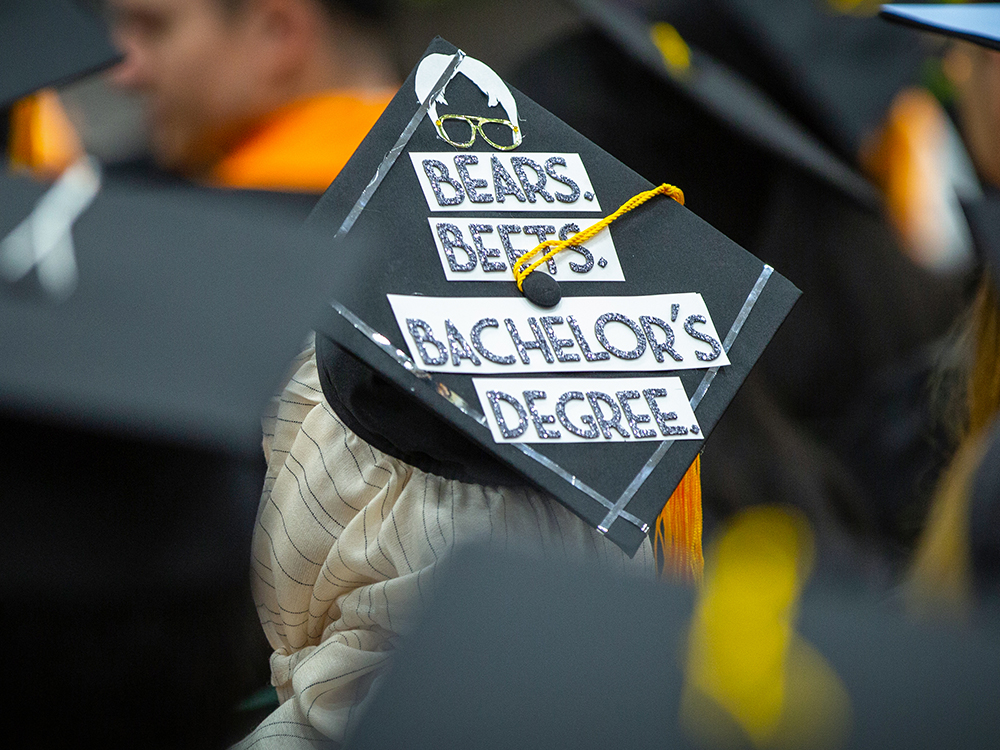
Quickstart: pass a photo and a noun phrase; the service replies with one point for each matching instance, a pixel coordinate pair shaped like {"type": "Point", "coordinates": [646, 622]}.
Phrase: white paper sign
{"type": "Point", "coordinates": [586, 410]}
{"type": "Point", "coordinates": [482, 181]}
{"type": "Point", "coordinates": [581, 334]}
{"type": "Point", "coordinates": [486, 249]}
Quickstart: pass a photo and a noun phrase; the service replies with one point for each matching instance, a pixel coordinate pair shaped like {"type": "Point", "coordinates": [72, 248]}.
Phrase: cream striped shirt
{"type": "Point", "coordinates": [345, 548]}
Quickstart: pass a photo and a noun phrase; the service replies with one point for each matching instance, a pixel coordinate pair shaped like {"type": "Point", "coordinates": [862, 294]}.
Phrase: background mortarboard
{"type": "Point", "coordinates": [48, 43]}
{"type": "Point", "coordinates": [521, 653]}
{"type": "Point", "coordinates": [131, 457]}
{"type": "Point", "coordinates": [400, 258]}
{"type": "Point", "coordinates": [978, 23]}
{"type": "Point", "coordinates": [742, 103]}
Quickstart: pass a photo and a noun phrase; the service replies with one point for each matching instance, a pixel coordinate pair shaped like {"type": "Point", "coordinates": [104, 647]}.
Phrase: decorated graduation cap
{"type": "Point", "coordinates": [48, 43]}
{"type": "Point", "coordinates": [978, 23]}
{"type": "Point", "coordinates": [598, 385]}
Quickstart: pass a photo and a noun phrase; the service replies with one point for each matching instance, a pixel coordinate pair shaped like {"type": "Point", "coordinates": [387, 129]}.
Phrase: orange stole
{"type": "Point", "coordinates": [42, 139]}
{"type": "Point", "coordinates": [304, 145]}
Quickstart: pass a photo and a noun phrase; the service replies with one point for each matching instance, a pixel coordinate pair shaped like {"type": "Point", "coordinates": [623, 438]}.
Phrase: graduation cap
{"type": "Point", "coordinates": [48, 43]}
{"type": "Point", "coordinates": [825, 62]}
{"type": "Point", "coordinates": [603, 400]}
{"type": "Point", "coordinates": [165, 313]}
{"type": "Point", "coordinates": [142, 331]}
{"type": "Point", "coordinates": [725, 91]}
{"type": "Point", "coordinates": [610, 668]}
{"type": "Point", "coordinates": [978, 23]}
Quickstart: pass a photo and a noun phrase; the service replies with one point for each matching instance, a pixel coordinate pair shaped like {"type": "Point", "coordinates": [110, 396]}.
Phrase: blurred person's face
{"type": "Point", "coordinates": [975, 72]}
{"type": "Point", "coordinates": [197, 64]}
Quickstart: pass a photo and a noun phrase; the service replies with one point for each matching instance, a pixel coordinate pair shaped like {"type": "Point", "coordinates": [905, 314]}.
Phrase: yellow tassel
{"type": "Point", "coordinates": [42, 139]}
{"type": "Point", "coordinates": [677, 539]}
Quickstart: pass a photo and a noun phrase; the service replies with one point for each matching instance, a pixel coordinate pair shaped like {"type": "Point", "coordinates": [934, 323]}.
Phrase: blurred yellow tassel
{"type": "Point", "coordinates": [678, 530]}
{"type": "Point", "coordinates": [42, 139]}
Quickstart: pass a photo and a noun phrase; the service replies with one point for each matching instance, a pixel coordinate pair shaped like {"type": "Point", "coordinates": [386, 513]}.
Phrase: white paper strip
{"type": "Point", "coordinates": [510, 335]}
{"type": "Point", "coordinates": [586, 410]}
{"type": "Point", "coordinates": [485, 249]}
{"type": "Point", "coordinates": [482, 181]}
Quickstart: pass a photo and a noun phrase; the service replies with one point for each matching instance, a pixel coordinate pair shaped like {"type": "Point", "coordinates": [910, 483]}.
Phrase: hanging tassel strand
{"type": "Point", "coordinates": [678, 530]}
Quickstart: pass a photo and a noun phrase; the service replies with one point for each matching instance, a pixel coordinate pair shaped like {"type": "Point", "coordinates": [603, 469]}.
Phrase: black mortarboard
{"type": "Point", "coordinates": [825, 63]}
{"type": "Point", "coordinates": [978, 23]}
{"type": "Point", "coordinates": [722, 84]}
{"type": "Point", "coordinates": [414, 213]}
{"type": "Point", "coordinates": [607, 666]}
{"type": "Point", "coordinates": [142, 331]}
{"type": "Point", "coordinates": [169, 316]}
{"type": "Point", "coordinates": [47, 43]}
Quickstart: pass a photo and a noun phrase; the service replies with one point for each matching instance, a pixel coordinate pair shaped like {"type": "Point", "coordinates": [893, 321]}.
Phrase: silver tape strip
{"type": "Point", "coordinates": [462, 405]}
{"type": "Point", "coordinates": [661, 450]}
{"type": "Point", "coordinates": [396, 150]}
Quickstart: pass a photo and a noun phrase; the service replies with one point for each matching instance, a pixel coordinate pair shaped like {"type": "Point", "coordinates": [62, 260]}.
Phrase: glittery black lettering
{"type": "Point", "coordinates": [588, 196]}
{"type": "Point", "coordinates": [634, 420]}
{"type": "Point", "coordinates": [539, 419]}
{"type": "Point", "coordinates": [590, 356]}
{"type": "Point", "coordinates": [443, 176]}
{"type": "Point", "coordinates": [459, 347]}
{"type": "Point", "coordinates": [494, 398]}
{"type": "Point", "coordinates": [564, 233]}
{"type": "Point", "coordinates": [550, 170]}
{"type": "Point", "coordinates": [462, 162]}
{"type": "Point", "coordinates": [503, 183]}
{"type": "Point", "coordinates": [592, 431]}
{"type": "Point", "coordinates": [695, 429]}
{"type": "Point", "coordinates": [607, 424]}
{"type": "Point", "coordinates": [602, 262]}
{"type": "Point", "coordinates": [662, 419]}
{"type": "Point", "coordinates": [648, 321]}
{"type": "Point", "coordinates": [701, 336]}
{"type": "Point", "coordinates": [451, 237]}
{"type": "Point", "coordinates": [531, 188]}
{"type": "Point", "coordinates": [674, 309]}
{"type": "Point", "coordinates": [477, 341]}
{"type": "Point", "coordinates": [485, 253]}
{"type": "Point", "coordinates": [612, 317]}
{"type": "Point", "coordinates": [558, 344]}
{"type": "Point", "coordinates": [542, 232]}
{"type": "Point", "coordinates": [421, 333]}
{"type": "Point", "coordinates": [505, 230]}
{"type": "Point", "coordinates": [522, 346]}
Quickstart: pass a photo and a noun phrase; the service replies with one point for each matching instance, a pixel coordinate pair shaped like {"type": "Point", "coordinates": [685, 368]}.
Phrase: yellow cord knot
{"type": "Point", "coordinates": [521, 272]}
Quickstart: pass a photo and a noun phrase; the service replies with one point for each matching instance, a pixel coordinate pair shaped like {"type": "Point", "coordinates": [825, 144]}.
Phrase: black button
{"type": "Point", "coordinates": [541, 289]}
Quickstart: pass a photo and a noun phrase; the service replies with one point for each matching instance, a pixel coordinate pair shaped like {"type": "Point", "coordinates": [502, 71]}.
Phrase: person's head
{"type": "Point", "coordinates": [210, 70]}
{"type": "Point", "coordinates": [975, 73]}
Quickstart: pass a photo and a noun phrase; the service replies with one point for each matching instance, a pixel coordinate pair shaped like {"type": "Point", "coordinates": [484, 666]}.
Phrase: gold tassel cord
{"type": "Point", "coordinates": [678, 530]}
{"type": "Point", "coordinates": [522, 269]}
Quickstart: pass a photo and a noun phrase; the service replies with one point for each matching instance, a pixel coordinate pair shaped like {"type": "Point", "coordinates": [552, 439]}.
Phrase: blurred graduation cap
{"type": "Point", "coordinates": [48, 43]}
{"type": "Point", "coordinates": [142, 332]}
{"type": "Point", "coordinates": [459, 177]}
{"type": "Point", "coordinates": [609, 668]}
{"type": "Point", "coordinates": [709, 55]}
{"type": "Point", "coordinates": [164, 314]}
{"type": "Point", "coordinates": [978, 23]}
